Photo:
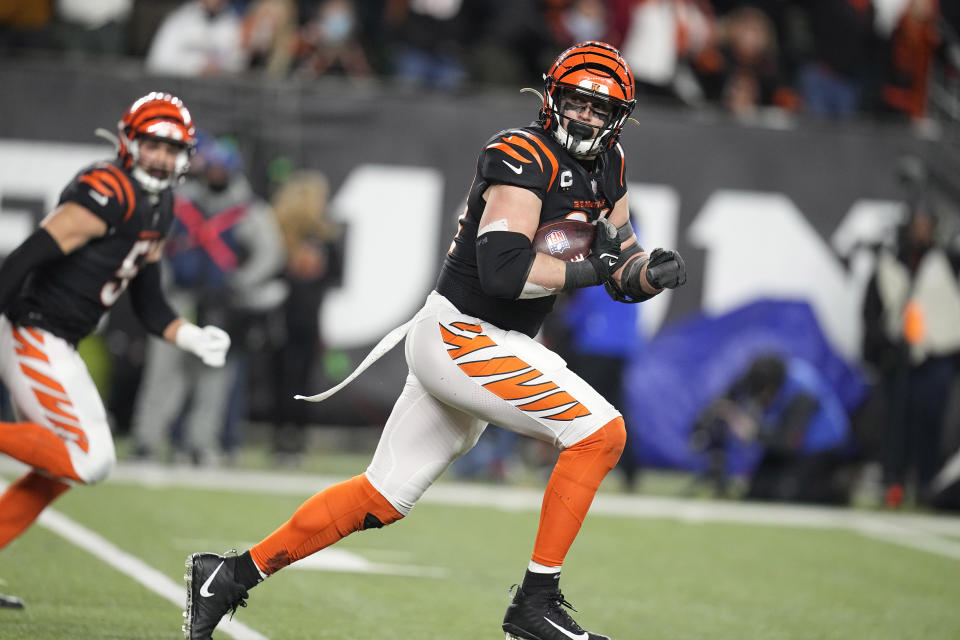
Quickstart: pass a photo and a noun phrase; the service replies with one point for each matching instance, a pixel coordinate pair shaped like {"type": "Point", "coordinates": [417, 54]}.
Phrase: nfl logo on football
{"type": "Point", "coordinates": [557, 242]}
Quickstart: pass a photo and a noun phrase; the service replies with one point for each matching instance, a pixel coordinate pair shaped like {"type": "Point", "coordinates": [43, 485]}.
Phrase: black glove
{"type": "Point", "coordinates": [605, 249]}
{"type": "Point", "coordinates": [666, 269]}
{"type": "Point", "coordinates": [603, 260]}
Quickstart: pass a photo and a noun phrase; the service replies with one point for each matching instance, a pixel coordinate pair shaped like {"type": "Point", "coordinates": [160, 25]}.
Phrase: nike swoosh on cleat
{"type": "Point", "coordinates": [516, 170]}
{"type": "Point", "coordinates": [206, 593]}
{"type": "Point", "coordinates": [573, 636]}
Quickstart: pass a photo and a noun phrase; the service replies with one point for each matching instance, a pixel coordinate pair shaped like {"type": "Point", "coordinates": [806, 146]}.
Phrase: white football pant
{"type": "Point", "coordinates": [466, 373]}
{"type": "Point", "coordinates": [49, 385]}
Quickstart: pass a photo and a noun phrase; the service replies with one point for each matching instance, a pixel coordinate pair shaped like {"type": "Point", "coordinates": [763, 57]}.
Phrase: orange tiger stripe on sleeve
{"type": "Point", "coordinates": [111, 181]}
{"type": "Point", "coordinates": [521, 142]}
{"type": "Point", "coordinates": [548, 155]}
{"type": "Point", "coordinates": [510, 151]}
{"type": "Point", "coordinates": [127, 189]}
{"type": "Point", "coordinates": [96, 183]}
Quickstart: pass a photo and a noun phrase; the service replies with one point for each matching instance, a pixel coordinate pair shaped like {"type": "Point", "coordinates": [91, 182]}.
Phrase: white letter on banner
{"type": "Point", "coordinates": [759, 245]}
{"type": "Point", "coordinates": [30, 169]}
{"type": "Point", "coordinates": [391, 256]}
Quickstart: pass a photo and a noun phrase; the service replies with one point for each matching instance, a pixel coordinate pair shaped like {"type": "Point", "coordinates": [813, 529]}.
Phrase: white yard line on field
{"type": "Point", "coordinates": [131, 566]}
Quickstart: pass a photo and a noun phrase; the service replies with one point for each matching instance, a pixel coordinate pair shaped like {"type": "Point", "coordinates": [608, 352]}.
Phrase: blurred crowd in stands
{"type": "Point", "coordinates": [830, 58]}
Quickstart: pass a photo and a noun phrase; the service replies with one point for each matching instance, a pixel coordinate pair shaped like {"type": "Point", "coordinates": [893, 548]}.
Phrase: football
{"type": "Point", "coordinates": [567, 240]}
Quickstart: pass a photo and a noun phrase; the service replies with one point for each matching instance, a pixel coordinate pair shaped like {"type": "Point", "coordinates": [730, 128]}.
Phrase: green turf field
{"type": "Point", "coordinates": [633, 578]}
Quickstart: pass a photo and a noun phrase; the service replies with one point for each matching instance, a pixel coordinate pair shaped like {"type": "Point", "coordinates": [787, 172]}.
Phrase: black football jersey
{"type": "Point", "coordinates": [532, 159]}
{"type": "Point", "coordinates": [68, 296]}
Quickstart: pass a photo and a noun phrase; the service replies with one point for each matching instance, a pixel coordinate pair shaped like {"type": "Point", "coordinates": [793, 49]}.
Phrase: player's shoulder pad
{"type": "Point", "coordinates": [519, 157]}
{"type": "Point", "coordinates": [104, 189]}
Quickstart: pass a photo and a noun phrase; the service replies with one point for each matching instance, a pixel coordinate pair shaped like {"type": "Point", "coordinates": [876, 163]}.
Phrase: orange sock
{"type": "Point", "coordinates": [38, 447]}
{"type": "Point", "coordinates": [23, 501]}
{"type": "Point", "coordinates": [330, 515]}
{"type": "Point", "coordinates": [574, 482]}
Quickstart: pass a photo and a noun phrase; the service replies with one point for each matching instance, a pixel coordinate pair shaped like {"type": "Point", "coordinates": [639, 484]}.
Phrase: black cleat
{"type": "Point", "coordinates": [541, 616]}
{"type": "Point", "coordinates": [10, 602]}
{"type": "Point", "coordinates": [212, 591]}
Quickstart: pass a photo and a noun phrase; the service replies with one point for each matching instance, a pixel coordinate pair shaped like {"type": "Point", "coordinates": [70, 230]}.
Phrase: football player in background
{"type": "Point", "coordinates": [473, 359]}
{"type": "Point", "coordinates": [105, 235]}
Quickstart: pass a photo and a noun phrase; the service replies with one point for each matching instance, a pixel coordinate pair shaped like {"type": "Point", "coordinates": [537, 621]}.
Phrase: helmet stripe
{"type": "Point", "coordinates": [598, 57]}
{"type": "Point", "coordinates": [171, 115]}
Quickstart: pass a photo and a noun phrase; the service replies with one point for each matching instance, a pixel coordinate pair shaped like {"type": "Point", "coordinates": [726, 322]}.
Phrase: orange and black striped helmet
{"type": "Point", "coordinates": [593, 71]}
{"type": "Point", "coordinates": [162, 116]}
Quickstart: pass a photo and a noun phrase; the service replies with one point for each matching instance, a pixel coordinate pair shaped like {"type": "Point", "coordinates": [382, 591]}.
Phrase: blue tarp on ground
{"type": "Point", "coordinates": [678, 373]}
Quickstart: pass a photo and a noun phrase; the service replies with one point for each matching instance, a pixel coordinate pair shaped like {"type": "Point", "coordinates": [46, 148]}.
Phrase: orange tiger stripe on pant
{"type": "Point", "coordinates": [527, 382]}
{"type": "Point", "coordinates": [35, 444]}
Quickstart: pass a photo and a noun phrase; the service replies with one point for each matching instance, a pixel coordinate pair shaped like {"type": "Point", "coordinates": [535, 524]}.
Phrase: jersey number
{"type": "Point", "coordinates": [128, 270]}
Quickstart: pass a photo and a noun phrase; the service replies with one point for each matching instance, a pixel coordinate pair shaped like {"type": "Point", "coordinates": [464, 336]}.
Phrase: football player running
{"type": "Point", "coordinates": [105, 236]}
{"type": "Point", "coordinates": [473, 359]}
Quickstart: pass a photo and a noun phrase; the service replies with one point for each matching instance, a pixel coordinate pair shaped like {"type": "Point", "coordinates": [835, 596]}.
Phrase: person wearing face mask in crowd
{"type": "Point", "coordinates": [224, 258]}
{"type": "Point", "coordinates": [582, 20]}
{"type": "Point", "coordinates": [328, 43]}
{"type": "Point", "coordinates": [270, 35]}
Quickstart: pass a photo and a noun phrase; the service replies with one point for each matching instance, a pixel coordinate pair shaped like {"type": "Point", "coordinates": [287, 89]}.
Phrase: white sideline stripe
{"type": "Point", "coordinates": [916, 531]}
{"type": "Point", "coordinates": [132, 566]}
{"type": "Point", "coordinates": [526, 499]}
